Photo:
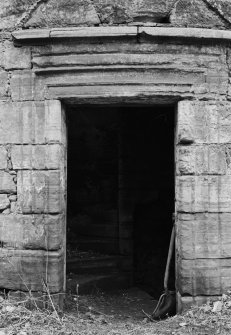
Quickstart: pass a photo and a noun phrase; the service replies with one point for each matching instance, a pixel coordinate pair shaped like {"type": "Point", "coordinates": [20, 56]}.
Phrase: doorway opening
{"type": "Point", "coordinates": [120, 196]}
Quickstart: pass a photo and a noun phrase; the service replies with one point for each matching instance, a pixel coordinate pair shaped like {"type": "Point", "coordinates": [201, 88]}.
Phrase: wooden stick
{"type": "Point", "coordinates": [170, 252]}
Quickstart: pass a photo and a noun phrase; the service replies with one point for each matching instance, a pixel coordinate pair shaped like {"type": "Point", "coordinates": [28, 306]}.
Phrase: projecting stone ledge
{"type": "Point", "coordinates": [120, 31]}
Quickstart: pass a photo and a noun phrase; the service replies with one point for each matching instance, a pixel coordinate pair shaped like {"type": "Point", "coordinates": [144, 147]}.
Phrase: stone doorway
{"type": "Point", "coordinates": [120, 195]}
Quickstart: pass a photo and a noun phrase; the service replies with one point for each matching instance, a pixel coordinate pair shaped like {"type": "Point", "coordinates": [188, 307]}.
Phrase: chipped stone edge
{"type": "Point", "coordinates": [87, 32]}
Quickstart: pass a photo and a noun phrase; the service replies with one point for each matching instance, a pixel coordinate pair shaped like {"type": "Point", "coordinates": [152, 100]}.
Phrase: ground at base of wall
{"type": "Point", "coordinates": [86, 315]}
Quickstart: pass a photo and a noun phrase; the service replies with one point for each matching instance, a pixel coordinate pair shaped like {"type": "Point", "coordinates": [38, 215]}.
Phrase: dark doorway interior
{"type": "Point", "coordinates": [120, 194]}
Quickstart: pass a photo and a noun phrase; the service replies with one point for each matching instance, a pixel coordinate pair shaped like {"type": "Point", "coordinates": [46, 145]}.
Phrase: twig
{"type": "Point", "coordinates": [52, 304]}
{"type": "Point", "coordinates": [77, 299]}
{"type": "Point", "coordinates": [29, 291]}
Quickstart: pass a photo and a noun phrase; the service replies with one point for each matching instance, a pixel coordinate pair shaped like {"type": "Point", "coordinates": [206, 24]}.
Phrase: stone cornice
{"type": "Point", "coordinates": [120, 31]}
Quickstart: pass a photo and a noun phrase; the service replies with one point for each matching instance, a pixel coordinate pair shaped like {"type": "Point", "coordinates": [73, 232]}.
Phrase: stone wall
{"type": "Point", "coordinates": [16, 14]}
{"type": "Point", "coordinates": [135, 67]}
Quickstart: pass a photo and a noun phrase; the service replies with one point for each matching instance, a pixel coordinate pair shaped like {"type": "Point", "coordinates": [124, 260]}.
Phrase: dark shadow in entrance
{"type": "Point", "coordinates": [149, 177]}
{"type": "Point", "coordinates": [120, 195]}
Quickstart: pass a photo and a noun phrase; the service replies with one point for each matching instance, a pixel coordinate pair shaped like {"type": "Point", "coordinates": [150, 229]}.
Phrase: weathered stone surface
{"type": "Point", "coordinates": [31, 13]}
{"type": "Point", "coordinates": [116, 12]}
{"type": "Point", "coordinates": [161, 59]}
{"type": "Point", "coordinates": [26, 270]}
{"type": "Point", "coordinates": [13, 197]}
{"type": "Point", "coordinates": [64, 13]}
{"type": "Point", "coordinates": [204, 276]}
{"type": "Point", "coordinates": [12, 11]}
{"type": "Point", "coordinates": [3, 157]}
{"type": "Point", "coordinates": [212, 159]}
{"type": "Point", "coordinates": [203, 193]}
{"type": "Point", "coordinates": [42, 232]}
{"type": "Point", "coordinates": [195, 13]}
{"type": "Point", "coordinates": [221, 7]}
{"type": "Point", "coordinates": [204, 235]}
{"type": "Point", "coordinates": [22, 85]}
{"type": "Point", "coordinates": [41, 191]}
{"type": "Point", "coordinates": [16, 58]}
{"type": "Point", "coordinates": [133, 93]}
{"type": "Point", "coordinates": [7, 184]}
{"type": "Point", "coordinates": [203, 122]}
{"type": "Point", "coordinates": [26, 157]}
{"type": "Point", "coordinates": [4, 202]}
{"type": "Point", "coordinates": [1, 54]}
{"type": "Point", "coordinates": [202, 55]}
{"type": "Point", "coordinates": [30, 122]}
{"type": "Point", "coordinates": [118, 76]}
{"type": "Point", "coordinates": [184, 303]}
{"type": "Point", "coordinates": [216, 83]}
{"type": "Point", "coordinates": [3, 83]}
{"type": "Point", "coordinates": [190, 78]}
{"type": "Point", "coordinates": [13, 207]}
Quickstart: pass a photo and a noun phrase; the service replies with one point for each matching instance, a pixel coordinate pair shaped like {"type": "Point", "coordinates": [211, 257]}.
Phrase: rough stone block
{"type": "Point", "coordinates": [3, 84]}
{"type": "Point", "coordinates": [118, 76]}
{"type": "Point", "coordinates": [41, 191]}
{"type": "Point", "coordinates": [11, 11]}
{"type": "Point", "coordinates": [203, 235]}
{"type": "Point", "coordinates": [64, 13]}
{"type": "Point", "coordinates": [203, 193]}
{"type": "Point", "coordinates": [22, 85]}
{"type": "Point", "coordinates": [201, 159]}
{"type": "Point", "coordinates": [41, 157]}
{"type": "Point", "coordinates": [203, 55]}
{"type": "Point", "coordinates": [13, 197]}
{"type": "Point", "coordinates": [203, 122]}
{"type": "Point", "coordinates": [7, 184]}
{"type": "Point", "coordinates": [16, 58]}
{"type": "Point", "coordinates": [168, 58]}
{"type": "Point", "coordinates": [119, 11]}
{"type": "Point", "coordinates": [195, 13]}
{"type": "Point", "coordinates": [30, 122]}
{"type": "Point", "coordinates": [204, 276]}
{"type": "Point", "coordinates": [3, 157]}
{"type": "Point", "coordinates": [223, 7]}
{"type": "Point", "coordinates": [4, 202]}
{"type": "Point", "coordinates": [27, 270]}
{"type": "Point", "coordinates": [36, 232]}
{"type": "Point", "coordinates": [13, 207]}
{"type": "Point", "coordinates": [217, 81]}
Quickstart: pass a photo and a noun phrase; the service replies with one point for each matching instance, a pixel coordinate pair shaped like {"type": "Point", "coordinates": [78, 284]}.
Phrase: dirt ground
{"type": "Point", "coordinates": [121, 313]}
{"type": "Point", "coordinates": [121, 305]}
{"type": "Point", "coordinates": [114, 313]}
{"type": "Point", "coordinates": [118, 312]}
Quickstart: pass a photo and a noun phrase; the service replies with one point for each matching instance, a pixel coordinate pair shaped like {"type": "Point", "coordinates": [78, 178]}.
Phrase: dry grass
{"type": "Point", "coordinates": [16, 319]}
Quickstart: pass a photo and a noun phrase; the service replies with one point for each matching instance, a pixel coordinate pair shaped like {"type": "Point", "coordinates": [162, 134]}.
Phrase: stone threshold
{"type": "Point", "coordinates": [121, 31]}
